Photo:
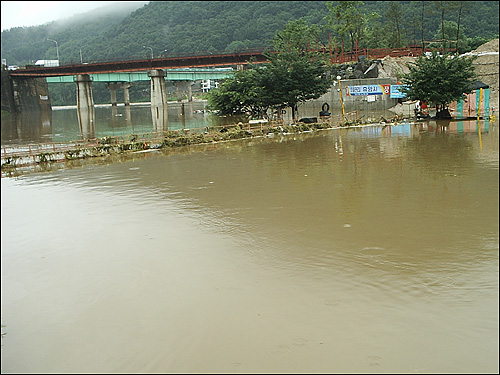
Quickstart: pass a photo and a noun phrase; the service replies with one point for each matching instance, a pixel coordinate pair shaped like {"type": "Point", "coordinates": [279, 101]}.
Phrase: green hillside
{"type": "Point", "coordinates": [188, 27]}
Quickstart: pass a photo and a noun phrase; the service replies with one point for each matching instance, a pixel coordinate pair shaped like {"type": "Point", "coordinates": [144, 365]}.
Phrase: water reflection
{"type": "Point", "coordinates": [123, 120]}
{"type": "Point", "coordinates": [27, 127]}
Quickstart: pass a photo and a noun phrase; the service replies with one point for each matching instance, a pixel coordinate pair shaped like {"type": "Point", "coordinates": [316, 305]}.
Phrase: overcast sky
{"type": "Point", "coordinates": [34, 13]}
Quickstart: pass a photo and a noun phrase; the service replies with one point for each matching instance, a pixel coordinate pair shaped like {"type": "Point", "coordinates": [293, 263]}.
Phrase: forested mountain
{"type": "Point", "coordinates": [190, 27]}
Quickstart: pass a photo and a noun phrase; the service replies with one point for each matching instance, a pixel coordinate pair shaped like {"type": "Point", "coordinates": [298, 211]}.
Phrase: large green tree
{"type": "Point", "coordinates": [439, 80]}
{"type": "Point", "coordinates": [242, 94]}
{"type": "Point", "coordinates": [296, 72]}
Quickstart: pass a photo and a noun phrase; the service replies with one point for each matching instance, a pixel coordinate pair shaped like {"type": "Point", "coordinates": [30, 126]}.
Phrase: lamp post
{"type": "Point", "coordinates": [150, 49]}
{"type": "Point", "coordinates": [57, 48]}
{"type": "Point", "coordinates": [81, 56]}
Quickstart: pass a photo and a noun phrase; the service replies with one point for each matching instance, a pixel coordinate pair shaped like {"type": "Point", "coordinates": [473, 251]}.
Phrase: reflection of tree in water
{"type": "Point", "coordinates": [440, 152]}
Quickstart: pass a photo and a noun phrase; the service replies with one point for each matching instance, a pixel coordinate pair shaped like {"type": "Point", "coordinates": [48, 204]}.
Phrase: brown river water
{"type": "Point", "coordinates": [371, 250]}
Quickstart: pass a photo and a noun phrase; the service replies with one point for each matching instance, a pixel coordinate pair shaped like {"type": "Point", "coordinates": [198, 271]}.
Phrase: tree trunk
{"type": "Point", "coordinates": [442, 112]}
{"type": "Point", "coordinates": [442, 27]}
{"type": "Point", "coordinates": [423, 43]}
{"type": "Point", "coordinates": [399, 34]}
{"type": "Point", "coordinates": [458, 24]}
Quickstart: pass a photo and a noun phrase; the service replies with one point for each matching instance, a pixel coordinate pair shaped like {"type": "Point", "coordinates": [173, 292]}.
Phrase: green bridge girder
{"type": "Point", "coordinates": [193, 74]}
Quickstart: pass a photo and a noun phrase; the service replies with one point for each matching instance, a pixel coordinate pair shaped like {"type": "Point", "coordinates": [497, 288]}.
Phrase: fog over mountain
{"type": "Point", "coordinates": [120, 9]}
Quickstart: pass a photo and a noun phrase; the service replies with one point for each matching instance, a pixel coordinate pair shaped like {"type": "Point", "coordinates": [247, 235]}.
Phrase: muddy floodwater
{"type": "Point", "coordinates": [369, 249]}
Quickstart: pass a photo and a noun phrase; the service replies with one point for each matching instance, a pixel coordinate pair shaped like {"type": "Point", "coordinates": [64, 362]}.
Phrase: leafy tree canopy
{"type": "Point", "coordinates": [295, 74]}
{"type": "Point", "coordinates": [439, 79]}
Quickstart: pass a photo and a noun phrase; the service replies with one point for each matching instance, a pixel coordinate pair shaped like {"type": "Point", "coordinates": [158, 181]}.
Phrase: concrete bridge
{"type": "Point", "coordinates": [182, 78]}
{"type": "Point", "coordinates": [121, 74]}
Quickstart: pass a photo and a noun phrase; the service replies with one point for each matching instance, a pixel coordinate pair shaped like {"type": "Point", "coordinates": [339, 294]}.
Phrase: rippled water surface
{"type": "Point", "coordinates": [353, 250]}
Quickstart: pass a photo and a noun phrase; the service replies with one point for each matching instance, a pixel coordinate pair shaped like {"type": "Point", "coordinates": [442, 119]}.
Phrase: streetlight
{"type": "Point", "coordinates": [81, 56]}
{"type": "Point", "coordinates": [57, 48]}
{"type": "Point", "coordinates": [150, 49]}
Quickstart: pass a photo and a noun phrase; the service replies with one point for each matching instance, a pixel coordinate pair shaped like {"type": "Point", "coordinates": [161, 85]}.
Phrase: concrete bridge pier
{"type": "Point", "coordinates": [126, 93]}
{"type": "Point", "coordinates": [183, 86]}
{"type": "Point", "coordinates": [190, 91]}
{"type": "Point", "coordinates": [112, 87]}
{"type": "Point", "coordinates": [85, 106]}
{"type": "Point", "coordinates": [159, 104]}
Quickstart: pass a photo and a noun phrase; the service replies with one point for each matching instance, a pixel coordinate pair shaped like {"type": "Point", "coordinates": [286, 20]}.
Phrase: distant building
{"type": "Point", "coordinates": [208, 84]}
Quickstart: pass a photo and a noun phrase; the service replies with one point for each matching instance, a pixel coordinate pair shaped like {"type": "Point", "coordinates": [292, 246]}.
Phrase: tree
{"type": "Point", "coordinates": [347, 19]}
{"type": "Point", "coordinates": [460, 6]}
{"type": "Point", "coordinates": [238, 95]}
{"type": "Point", "coordinates": [443, 6]}
{"type": "Point", "coordinates": [296, 73]}
{"type": "Point", "coordinates": [439, 79]}
{"type": "Point", "coordinates": [451, 39]}
{"type": "Point", "coordinates": [395, 14]}
{"type": "Point", "coordinates": [422, 23]}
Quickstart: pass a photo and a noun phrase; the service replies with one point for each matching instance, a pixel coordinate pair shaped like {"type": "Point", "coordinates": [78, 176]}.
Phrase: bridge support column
{"type": "Point", "coordinates": [183, 86]}
{"type": "Point", "coordinates": [85, 106]}
{"type": "Point", "coordinates": [190, 91]}
{"type": "Point", "coordinates": [126, 94]}
{"type": "Point", "coordinates": [112, 87]}
{"type": "Point", "coordinates": [159, 104]}
{"type": "Point", "coordinates": [178, 85]}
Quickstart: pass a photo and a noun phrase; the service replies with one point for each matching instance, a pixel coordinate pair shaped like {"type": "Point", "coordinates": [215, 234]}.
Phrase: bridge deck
{"type": "Point", "coordinates": [226, 60]}
{"type": "Point", "coordinates": [172, 75]}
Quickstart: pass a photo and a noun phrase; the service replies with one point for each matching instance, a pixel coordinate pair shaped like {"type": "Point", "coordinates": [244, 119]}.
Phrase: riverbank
{"type": "Point", "coordinates": [21, 159]}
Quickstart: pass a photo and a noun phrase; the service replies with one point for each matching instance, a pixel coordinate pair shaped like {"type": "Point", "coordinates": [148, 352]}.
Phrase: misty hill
{"type": "Point", "coordinates": [22, 45]}
{"type": "Point", "coordinates": [121, 30]}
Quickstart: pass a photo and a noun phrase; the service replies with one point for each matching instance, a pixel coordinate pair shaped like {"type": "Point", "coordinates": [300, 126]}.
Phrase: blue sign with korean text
{"type": "Point", "coordinates": [396, 92]}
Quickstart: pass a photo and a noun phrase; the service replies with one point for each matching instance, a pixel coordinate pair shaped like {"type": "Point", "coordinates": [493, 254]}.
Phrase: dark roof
{"type": "Point", "coordinates": [478, 85]}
